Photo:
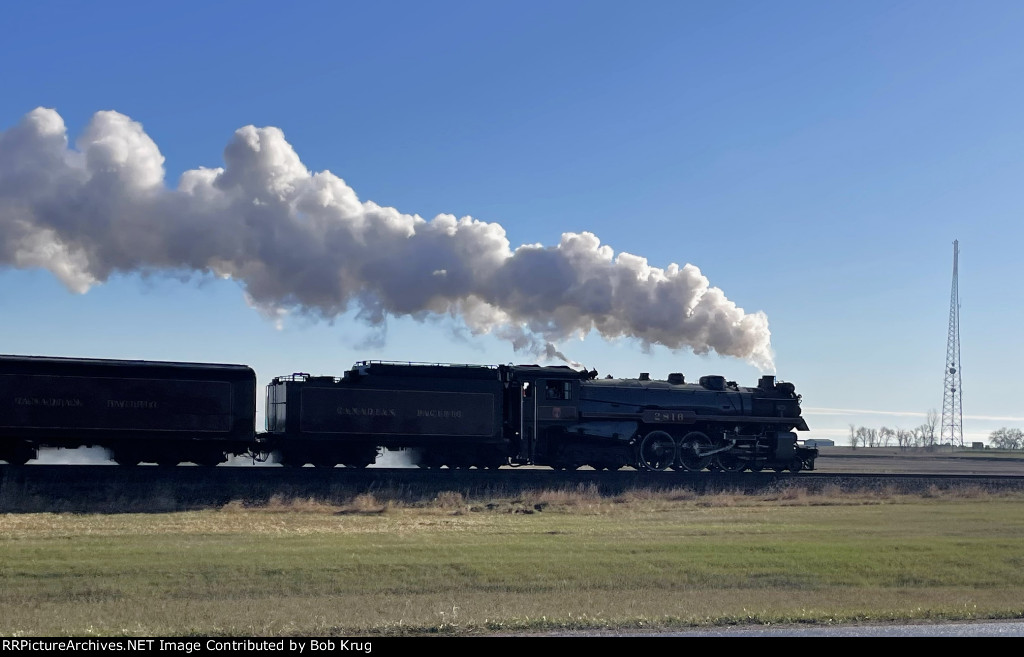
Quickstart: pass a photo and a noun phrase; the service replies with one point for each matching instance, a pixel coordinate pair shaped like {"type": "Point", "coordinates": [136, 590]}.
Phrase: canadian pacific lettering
{"type": "Point", "coordinates": [120, 403]}
{"type": "Point", "coordinates": [47, 401]}
{"type": "Point", "coordinates": [436, 412]}
{"type": "Point", "coordinates": [387, 412]}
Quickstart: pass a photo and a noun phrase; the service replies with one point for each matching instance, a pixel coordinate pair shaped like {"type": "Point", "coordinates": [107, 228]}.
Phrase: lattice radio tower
{"type": "Point", "coordinates": [952, 415]}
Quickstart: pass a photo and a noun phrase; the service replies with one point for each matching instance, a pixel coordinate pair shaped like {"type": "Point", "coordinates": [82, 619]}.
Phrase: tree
{"type": "Point", "coordinates": [925, 433]}
{"type": "Point", "coordinates": [929, 426]}
{"type": "Point", "coordinates": [917, 436]}
{"type": "Point", "coordinates": [1007, 438]}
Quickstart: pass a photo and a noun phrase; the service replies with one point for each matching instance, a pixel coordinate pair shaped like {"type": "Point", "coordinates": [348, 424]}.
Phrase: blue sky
{"type": "Point", "coordinates": [815, 160]}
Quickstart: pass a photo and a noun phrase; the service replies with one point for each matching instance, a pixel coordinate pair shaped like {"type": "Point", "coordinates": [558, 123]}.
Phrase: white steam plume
{"type": "Point", "coordinates": [297, 240]}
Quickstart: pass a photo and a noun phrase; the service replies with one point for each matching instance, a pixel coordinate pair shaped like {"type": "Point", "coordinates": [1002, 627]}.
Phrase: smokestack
{"type": "Point", "coordinates": [299, 241]}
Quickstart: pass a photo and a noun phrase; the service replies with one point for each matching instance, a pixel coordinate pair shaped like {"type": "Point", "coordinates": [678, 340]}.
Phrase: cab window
{"type": "Point", "coordinates": [558, 390]}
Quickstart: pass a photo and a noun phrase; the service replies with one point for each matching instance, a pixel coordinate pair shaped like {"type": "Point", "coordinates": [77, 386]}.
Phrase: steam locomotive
{"type": "Point", "coordinates": [442, 415]}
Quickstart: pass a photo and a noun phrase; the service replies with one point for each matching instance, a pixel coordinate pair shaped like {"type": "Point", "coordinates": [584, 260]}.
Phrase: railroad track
{"type": "Point", "coordinates": [89, 488]}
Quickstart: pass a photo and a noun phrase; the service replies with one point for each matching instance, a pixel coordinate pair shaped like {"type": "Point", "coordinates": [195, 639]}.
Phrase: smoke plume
{"type": "Point", "coordinates": [299, 241]}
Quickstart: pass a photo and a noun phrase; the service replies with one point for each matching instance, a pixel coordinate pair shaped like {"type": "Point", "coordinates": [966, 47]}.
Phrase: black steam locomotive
{"type": "Point", "coordinates": [455, 416]}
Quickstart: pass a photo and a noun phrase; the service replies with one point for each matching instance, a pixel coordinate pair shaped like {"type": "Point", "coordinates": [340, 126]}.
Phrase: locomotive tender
{"type": "Point", "coordinates": [150, 411]}
{"type": "Point", "coordinates": [457, 416]}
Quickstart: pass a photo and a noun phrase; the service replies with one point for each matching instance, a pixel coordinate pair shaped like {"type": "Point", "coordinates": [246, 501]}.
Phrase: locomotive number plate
{"type": "Point", "coordinates": [670, 417]}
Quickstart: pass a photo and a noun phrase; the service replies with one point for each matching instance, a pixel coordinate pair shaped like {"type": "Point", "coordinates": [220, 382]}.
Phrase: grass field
{"type": "Point", "coordinates": [555, 560]}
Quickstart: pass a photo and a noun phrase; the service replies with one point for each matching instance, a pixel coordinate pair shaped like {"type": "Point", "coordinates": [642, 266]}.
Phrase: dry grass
{"type": "Point", "coordinates": [282, 503]}
{"type": "Point", "coordinates": [582, 496]}
{"type": "Point", "coordinates": [450, 500]}
{"type": "Point", "coordinates": [587, 498]}
{"type": "Point", "coordinates": [366, 503]}
{"type": "Point", "coordinates": [362, 504]}
{"type": "Point", "coordinates": [959, 493]}
{"type": "Point", "coordinates": [649, 495]}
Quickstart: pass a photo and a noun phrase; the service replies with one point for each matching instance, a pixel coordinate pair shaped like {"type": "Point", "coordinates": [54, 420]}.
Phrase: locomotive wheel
{"type": "Point", "coordinates": [727, 462]}
{"type": "Point", "coordinates": [689, 451]}
{"type": "Point", "coordinates": [657, 451]}
{"type": "Point", "coordinates": [796, 465]}
{"type": "Point", "coordinates": [755, 466]}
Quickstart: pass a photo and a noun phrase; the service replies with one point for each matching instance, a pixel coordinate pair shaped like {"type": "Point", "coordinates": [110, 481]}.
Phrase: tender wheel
{"type": "Point", "coordinates": [361, 458]}
{"type": "Point", "coordinates": [657, 451]}
{"type": "Point", "coordinates": [290, 459]}
{"type": "Point", "coordinates": [427, 461]}
{"type": "Point", "coordinates": [127, 458]}
{"type": "Point", "coordinates": [19, 455]}
{"type": "Point", "coordinates": [690, 449]}
{"type": "Point", "coordinates": [208, 460]}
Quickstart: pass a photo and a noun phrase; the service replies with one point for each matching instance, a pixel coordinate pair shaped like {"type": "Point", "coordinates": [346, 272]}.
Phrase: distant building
{"type": "Point", "coordinates": [977, 445]}
{"type": "Point", "coordinates": [819, 442]}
